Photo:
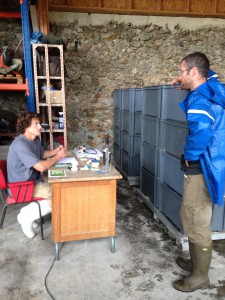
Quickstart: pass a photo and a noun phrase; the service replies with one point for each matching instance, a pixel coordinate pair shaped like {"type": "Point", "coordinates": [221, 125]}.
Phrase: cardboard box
{"type": "Point", "coordinates": [56, 97]}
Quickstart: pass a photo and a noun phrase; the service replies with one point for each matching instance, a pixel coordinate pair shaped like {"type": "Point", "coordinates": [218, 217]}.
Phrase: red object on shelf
{"type": "Point", "coordinates": [60, 139]}
{"type": "Point", "coordinates": [12, 86]}
{"type": "Point", "coordinates": [2, 65]}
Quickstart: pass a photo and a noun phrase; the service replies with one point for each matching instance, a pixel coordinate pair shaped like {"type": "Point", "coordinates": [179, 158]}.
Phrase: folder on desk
{"type": "Point", "coordinates": [68, 161]}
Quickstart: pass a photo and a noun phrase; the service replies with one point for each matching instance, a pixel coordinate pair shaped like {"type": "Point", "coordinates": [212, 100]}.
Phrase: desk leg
{"type": "Point", "coordinates": [113, 248]}
{"type": "Point", "coordinates": [57, 251]}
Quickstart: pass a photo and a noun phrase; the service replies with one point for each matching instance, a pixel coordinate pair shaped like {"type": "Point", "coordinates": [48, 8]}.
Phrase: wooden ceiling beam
{"type": "Point", "coordinates": [136, 12]}
{"type": "Point", "coordinates": [189, 8]}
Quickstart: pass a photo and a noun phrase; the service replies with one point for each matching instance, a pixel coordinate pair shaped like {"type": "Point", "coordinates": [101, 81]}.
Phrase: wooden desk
{"type": "Point", "coordinates": [84, 206]}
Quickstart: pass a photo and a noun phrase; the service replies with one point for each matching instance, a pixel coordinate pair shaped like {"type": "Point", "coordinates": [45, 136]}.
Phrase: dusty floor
{"type": "Point", "coordinates": [142, 268]}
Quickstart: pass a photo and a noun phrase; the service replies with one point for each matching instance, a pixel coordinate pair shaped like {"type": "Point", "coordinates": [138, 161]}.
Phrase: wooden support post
{"type": "Point", "coordinates": [43, 16]}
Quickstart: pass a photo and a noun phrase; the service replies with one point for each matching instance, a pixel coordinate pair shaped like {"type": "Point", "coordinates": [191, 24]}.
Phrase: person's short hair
{"type": "Point", "coordinates": [199, 60]}
{"type": "Point", "coordinates": [24, 121]}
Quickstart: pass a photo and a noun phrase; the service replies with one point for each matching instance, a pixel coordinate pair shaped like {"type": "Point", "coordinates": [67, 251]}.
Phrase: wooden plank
{"type": "Point", "coordinates": [188, 6]}
{"type": "Point", "coordinates": [85, 3]}
{"type": "Point", "coordinates": [159, 5]}
{"type": "Point", "coordinates": [58, 2]}
{"type": "Point", "coordinates": [43, 16]}
{"type": "Point", "coordinates": [214, 9]}
{"type": "Point", "coordinates": [193, 8]}
{"type": "Point", "coordinates": [122, 4]}
{"type": "Point", "coordinates": [144, 4]}
{"type": "Point", "coordinates": [99, 3]}
{"type": "Point", "coordinates": [221, 6]}
{"type": "Point", "coordinates": [34, 19]}
{"type": "Point", "coordinates": [10, 78]}
{"type": "Point", "coordinates": [174, 6]}
{"type": "Point", "coordinates": [130, 4]}
{"type": "Point", "coordinates": [201, 7]}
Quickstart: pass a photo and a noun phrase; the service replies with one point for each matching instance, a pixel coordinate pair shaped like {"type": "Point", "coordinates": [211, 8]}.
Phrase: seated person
{"type": "Point", "coordinates": [26, 160]}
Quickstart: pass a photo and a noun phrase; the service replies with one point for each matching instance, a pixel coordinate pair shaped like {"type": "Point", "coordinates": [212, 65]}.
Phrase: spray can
{"type": "Point", "coordinates": [60, 119]}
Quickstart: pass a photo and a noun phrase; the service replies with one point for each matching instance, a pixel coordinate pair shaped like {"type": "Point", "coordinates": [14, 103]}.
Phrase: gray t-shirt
{"type": "Point", "coordinates": [22, 156]}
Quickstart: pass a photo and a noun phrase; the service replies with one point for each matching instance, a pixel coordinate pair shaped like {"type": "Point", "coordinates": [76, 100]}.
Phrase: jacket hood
{"type": "Point", "coordinates": [214, 90]}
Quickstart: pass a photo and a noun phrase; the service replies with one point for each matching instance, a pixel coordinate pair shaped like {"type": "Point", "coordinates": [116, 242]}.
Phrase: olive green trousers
{"type": "Point", "coordinates": [196, 210]}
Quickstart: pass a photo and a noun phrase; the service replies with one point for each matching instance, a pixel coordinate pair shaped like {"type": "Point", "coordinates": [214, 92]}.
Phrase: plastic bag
{"type": "Point", "coordinates": [36, 37]}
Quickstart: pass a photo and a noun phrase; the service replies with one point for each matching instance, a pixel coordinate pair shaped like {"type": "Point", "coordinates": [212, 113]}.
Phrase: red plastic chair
{"type": "Point", "coordinates": [3, 182]}
{"type": "Point", "coordinates": [21, 192]}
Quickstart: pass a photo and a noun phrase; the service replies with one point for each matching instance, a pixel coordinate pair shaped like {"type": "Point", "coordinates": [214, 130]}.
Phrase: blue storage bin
{"type": "Point", "coordinates": [130, 143]}
{"type": "Point", "coordinates": [130, 164]}
{"type": "Point", "coordinates": [117, 154]}
{"type": "Point", "coordinates": [151, 102]}
{"type": "Point", "coordinates": [117, 121]}
{"type": "Point", "coordinates": [170, 172]}
{"type": "Point", "coordinates": [148, 185]}
{"type": "Point", "coordinates": [218, 218]}
{"type": "Point", "coordinates": [172, 137]}
{"type": "Point", "coordinates": [149, 158]}
{"type": "Point", "coordinates": [171, 97]}
{"type": "Point", "coordinates": [132, 99]}
{"type": "Point", "coordinates": [117, 136]}
{"type": "Point", "coordinates": [162, 101]}
{"type": "Point", "coordinates": [150, 130]}
{"type": "Point", "coordinates": [131, 122]}
{"type": "Point", "coordinates": [169, 203]}
{"type": "Point", "coordinates": [117, 97]}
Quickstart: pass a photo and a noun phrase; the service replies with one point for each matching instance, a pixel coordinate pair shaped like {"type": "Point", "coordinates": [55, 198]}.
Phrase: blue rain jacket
{"type": "Point", "coordinates": [204, 108]}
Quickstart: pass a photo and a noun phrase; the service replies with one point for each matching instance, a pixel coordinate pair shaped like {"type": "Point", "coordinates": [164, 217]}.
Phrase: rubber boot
{"type": "Point", "coordinates": [185, 264]}
{"type": "Point", "coordinates": [30, 213]}
{"type": "Point", "coordinates": [201, 258]}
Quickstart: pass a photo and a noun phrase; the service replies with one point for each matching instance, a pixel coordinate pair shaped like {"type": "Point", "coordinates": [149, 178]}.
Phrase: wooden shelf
{"type": "Point", "coordinates": [52, 104]}
{"type": "Point", "coordinates": [43, 83]}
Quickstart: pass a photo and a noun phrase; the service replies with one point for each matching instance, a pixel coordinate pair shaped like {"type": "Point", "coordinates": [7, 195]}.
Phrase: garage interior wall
{"type": "Point", "coordinates": [107, 52]}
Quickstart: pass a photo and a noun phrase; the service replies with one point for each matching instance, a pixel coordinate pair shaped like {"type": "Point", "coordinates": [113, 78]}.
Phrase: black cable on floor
{"type": "Point", "coordinates": [48, 274]}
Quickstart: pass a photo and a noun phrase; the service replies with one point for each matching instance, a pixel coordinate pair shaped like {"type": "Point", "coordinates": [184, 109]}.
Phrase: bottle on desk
{"type": "Point", "coordinates": [61, 124]}
{"type": "Point", "coordinates": [106, 155]}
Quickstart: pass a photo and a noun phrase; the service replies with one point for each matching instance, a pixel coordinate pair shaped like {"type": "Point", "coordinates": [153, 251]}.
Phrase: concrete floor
{"type": "Point", "coordinates": [142, 268]}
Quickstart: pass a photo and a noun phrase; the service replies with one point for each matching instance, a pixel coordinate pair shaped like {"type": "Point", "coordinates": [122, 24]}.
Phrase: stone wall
{"type": "Point", "coordinates": [121, 53]}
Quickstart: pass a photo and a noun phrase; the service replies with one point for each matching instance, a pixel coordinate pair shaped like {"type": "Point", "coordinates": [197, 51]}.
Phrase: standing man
{"type": "Point", "coordinates": [203, 164]}
{"type": "Point", "coordinates": [26, 160]}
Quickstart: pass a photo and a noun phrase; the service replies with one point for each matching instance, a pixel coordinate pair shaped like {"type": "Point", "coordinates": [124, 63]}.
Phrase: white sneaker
{"type": "Point", "coordinates": [34, 223]}
{"type": "Point", "coordinates": [19, 218]}
{"type": "Point", "coordinates": [26, 226]}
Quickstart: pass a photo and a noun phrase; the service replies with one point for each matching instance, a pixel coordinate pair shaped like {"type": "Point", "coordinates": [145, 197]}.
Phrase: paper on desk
{"type": "Point", "coordinates": [71, 160]}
